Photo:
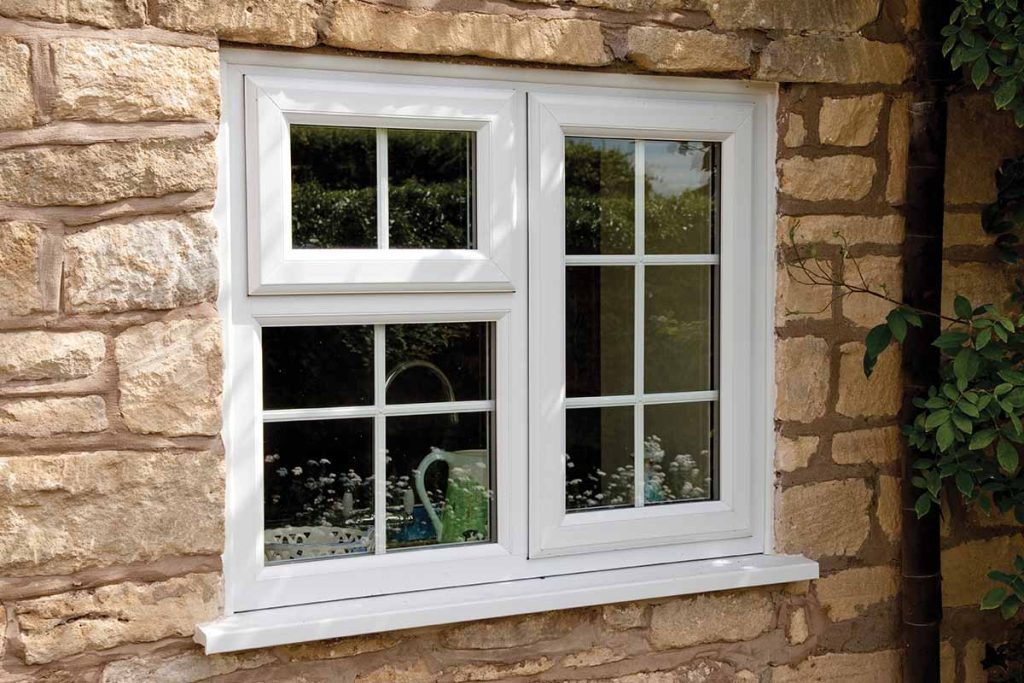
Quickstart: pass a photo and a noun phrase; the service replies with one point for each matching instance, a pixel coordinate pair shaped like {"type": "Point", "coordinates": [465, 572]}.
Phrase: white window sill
{"type": "Point", "coordinates": [283, 625]}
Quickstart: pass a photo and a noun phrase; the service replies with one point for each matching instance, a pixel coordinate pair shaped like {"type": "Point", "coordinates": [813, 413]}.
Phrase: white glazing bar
{"type": "Point", "coordinates": [379, 444]}
{"type": "Point", "coordinates": [383, 216]}
{"type": "Point", "coordinates": [638, 324]}
{"type": "Point", "coordinates": [298, 414]}
{"type": "Point", "coordinates": [681, 259]}
{"type": "Point", "coordinates": [649, 259]}
{"type": "Point", "coordinates": [439, 408]}
{"type": "Point", "coordinates": [646, 399]}
{"type": "Point", "coordinates": [680, 397]}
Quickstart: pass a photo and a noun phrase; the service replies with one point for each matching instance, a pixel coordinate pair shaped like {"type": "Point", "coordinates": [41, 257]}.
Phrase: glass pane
{"type": "Point", "coordinates": [317, 367]}
{"type": "Point", "coordinates": [439, 480]}
{"type": "Point", "coordinates": [334, 187]}
{"type": "Point", "coordinates": [678, 452]}
{"type": "Point", "coordinates": [599, 196]}
{"type": "Point", "coordinates": [598, 458]}
{"type": "Point", "coordinates": [318, 489]}
{"type": "Point", "coordinates": [679, 197]}
{"type": "Point", "coordinates": [678, 329]}
{"type": "Point", "coordinates": [437, 362]}
{"type": "Point", "coordinates": [599, 330]}
{"type": "Point", "coordinates": [430, 191]}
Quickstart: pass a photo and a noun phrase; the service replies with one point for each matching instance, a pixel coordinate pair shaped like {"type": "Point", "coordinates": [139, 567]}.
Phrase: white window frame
{"type": "Point", "coordinates": [275, 604]}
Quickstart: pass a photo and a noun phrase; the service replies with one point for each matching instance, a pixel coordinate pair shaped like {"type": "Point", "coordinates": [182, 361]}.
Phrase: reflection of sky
{"type": "Point", "coordinates": [673, 167]}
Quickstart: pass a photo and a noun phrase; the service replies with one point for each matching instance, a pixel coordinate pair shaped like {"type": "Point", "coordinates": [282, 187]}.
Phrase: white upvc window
{"type": "Point", "coordinates": [497, 340]}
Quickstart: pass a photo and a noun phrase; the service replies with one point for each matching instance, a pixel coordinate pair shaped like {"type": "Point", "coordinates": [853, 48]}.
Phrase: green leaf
{"type": "Point", "coordinates": [980, 71]}
{"type": "Point", "coordinates": [912, 318]}
{"type": "Point", "coordinates": [1005, 93]}
{"type": "Point", "coordinates": [897, 325]}
{"type": "Point", "coordinates": [962, 307]}
{"type": "Point", "coordinates": [939, 417]}
{"type": "Point", "coordinates": [950, 340]}
{"type": "Point", "coordinates": [982, 438]}
{"type": "Point", "coordinates": [878, 339]}
{"type": "Point", "coordinates": [923, 504]}
{"type": "Point", "coordinates": [969, 410]}
{"type": "Point", "coordinates": [966, 364]}
{"type": "Point", "coordinates": [1010, 608]}
{"type": "Point", "coordinates": [944, 436]}
{"type": "Point", "coordinates": [962, 422]}
{"type": "Point", "coordinates": [1006, 454]}
{"type": "Point", "coordinates": [982, 340]}
{"type": "Point", "coordinates": [994, 598]}
{"type": "Point", "coordinates": [964, 482]}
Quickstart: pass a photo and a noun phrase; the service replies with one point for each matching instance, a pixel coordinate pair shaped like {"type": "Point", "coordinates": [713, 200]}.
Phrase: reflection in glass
{"type": "Point", "coordinates": [599, 458]}
{"type": "Point", "coordinates": [430, 192]}
{"type": "Point", "coordinates": [679, 197]}
{"type": "Point", "coordinates": [318, 489]}
{"type": "Point", "coordinates": [317, 367]}
{"type": "Point", "coordinates": [678, 452]}
{"type": "Point", "coordinates": [437, 362]}
{"type": "Point", "coordinates": [334, 187]}
{"type": "Point", "coordinates": [599, 330]}
{"type": "Point", "coordinates": [439, 480]}
{"type": "Point", "coordinates": [599, 196]}
{"type": "Point", "coordinates": [678, 328]}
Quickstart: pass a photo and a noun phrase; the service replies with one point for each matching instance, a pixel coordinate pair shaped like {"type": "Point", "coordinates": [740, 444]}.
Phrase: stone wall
{"type": "Point", "coordinates": [111, 470]}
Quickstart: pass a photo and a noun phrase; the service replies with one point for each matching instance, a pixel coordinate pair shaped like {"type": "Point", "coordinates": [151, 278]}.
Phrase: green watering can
{"type": "Point", "coordinates": [466, 513]}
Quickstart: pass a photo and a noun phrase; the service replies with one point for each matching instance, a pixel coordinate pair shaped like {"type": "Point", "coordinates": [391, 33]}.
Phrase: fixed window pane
{"type": "Point", "coordinates": [430, 189]}
{"type": "Point", "coordinates": [334, 187]}
{"type": "Point", "coordinates": [599, 335]}
{"type": "Point", "coordinates": [678, 328]}
{"type": "Point", "coordinates": [439, 472]}
{"type": "Point", "coordinates": [679, 197]}
{"type": "Point", "coordinates": [678, 452]}
{"type": "Point", "coordinates": [599, 469]}
{"type": "Point", "coordinates": [318, 489]}
{"type": "Point", "coordinates": [437, 362]}
{"type": "Point", "coordinates": [599, 195]}
{"type": "Point", "coordinates": [317, 367]}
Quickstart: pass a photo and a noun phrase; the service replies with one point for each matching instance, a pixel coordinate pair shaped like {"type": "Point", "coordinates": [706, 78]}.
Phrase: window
{"type": "Point", "coordinates": [498, 341]}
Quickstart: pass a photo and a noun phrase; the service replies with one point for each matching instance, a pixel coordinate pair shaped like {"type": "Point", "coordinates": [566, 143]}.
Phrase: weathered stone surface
{"type": "Point", "coordinates": [964, 568]}
{"type": "Point", "coordinates": [274, 22]}
{"type": "Point", "coordinates": [801, 230]}
{"type": "Point", "coordinates": [711, 618]}
{"type": "Point", "coordinates": [889, 512]}
{"type": "Point", "coordinates": [845, 177]}
{"type": "Point", "coordinates": [111, 80]}
{"type": "Point", "coordinates": [187, 668]}
{"type": "Point", "coordinates": [50, 355]}
{"type": "Point", "coordinates": [625, 615]}
{"type": "Point", "coordinates": [826, 519]}
{"type": "Point", "coordinates": [509, 631]}
{"type": "Point", "coordinates": [106, 13]}
{"type": "Point", "coordinates": [358, 26]}
{"type": "Point", "coordinates": [877, 396]}
{"type": "Point", "coordinates": [964, 230]}
{"type": "Point", "coordinates": [882, 274]}
{"type": "Point", "coordinates": [839, 16]}
{"type": "Point", "coordinates": [797, 298]}
{"type": "Point", "coordinates": [947, 662]}
{"type": "Point", "coordinates": [17, 106]}
{"type": "Point", "coordinates": [106, 171]}
{"type": "Point", "coordinates": [794, 454]}
{"type": "Point", "coordinates": [876, 446]}
{"type": "Point", "coordinates": [899, 151]}
{"type": "Point", "coordinates": [981, 283]}
{"type": "Point", "coordinates": [595, 656]}
{"type": "Point", "coordinates": [340, 648]}
{"type": "Point", "coordinates": [850, 121]}
{"type": "Point", "coordinates": [76, 510]}
{"type": "Point", "coordinates": [796, 131]}
{"type": "Point", "coordinates": [861, 667]}
{"type": "Point", "coordinates": [170, 377]}
{"type": "Point", "coordinates": [49, 416]}
{"type": "Point", "coordinates": [499, 672]}
{"type": "Point", "coordinates": [801, 378]}
{"type": "Point", "coordinates": [971, 156]}
{"type": "Point", "coordinates": [974, 654]}
{"type": "Point", "coordinates": [828, 59]}
{"type": "Point", "coordinates": [662, 49]}
{"type": "Point", "coordinates": [797, 631]}
{"type": "Point", "coordinates": [21, 287]}
{"type": "Point", "coordinates": [418, 672]}
{"type": "Point", "coordinates": [847, 594]}
{"type": "Point", "coordinates": [68, 623]}
{"type": "Point", "coordinates": [633, 5]}
{"type": "Point", "coordinates": [148, 263]}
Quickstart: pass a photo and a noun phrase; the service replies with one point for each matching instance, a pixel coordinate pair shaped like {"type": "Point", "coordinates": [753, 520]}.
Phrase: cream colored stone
{"type": "Point", "coordinates": [979, 139]}
{"type": "Point", "coordinates": [876, 446]}
{"type": "Point", "coordinates": [797, 297]}
{"type": "Point", "coordinates": [633, 5]}
{"type": "Point", "coordinates": [105, 172]}
{"type": "Point", "coordinates": [359, 26]}
{"type": "Point", "coordinates": [980, 283]}
{"type": "Point", "coordinates": [70, 623]}
{"type": "Point", "coordinates": [964, 230]}
{"type": "Point", "coordinates": [417, 672]}
{"type": "Point", "coordinates": [861, 667]}
{"type": "Point", "coordinates": [67, 512]}
{"type": "Point", "coordinates": [340, 648]}
{"type": "Point", "coordinates": [148, 263]}
{"type": "Point", "coordinates": [846, 177]}
{"type": "Point", "coordinates": [21, 284]}
{"type": "Point", "coordinates": [801, 378]}
{"type": "Point", "coordinates": [190, 667]}
{"type": "Point", "coordinates": [859, 396]}
{"type": "Point", "coordinates": [48, 416]}
{"type": "Point", "coordinates": [106, 13]}
{"type": "Point", "coordinates": [274, 22]}
{"type": "Point", "coordinates": [889, 512]}
{"type": "Point", "coordinates": [797, 631]}
{"type": "Point", "coordinates": [899, 151]}
{"type": "Point", "coordinates": [796, 131]}
{"type": "Point", "coordinates": [17, 106]}
{"type": "Point", "coordinates": [822, 520]}
{"type": "Point", "coordinates": [912, 18]}
{"type": "Point", "coordinates": [794, 454]}
{"type": "Point", "coordinates": [964, 568]}
{"type": "Point", "coordinates": [947, 662]}
{"type": "Point", "coordinates": [170, 377]}
{"type": "Point", "coordinates": [711, 618]}
{"type": "Point", "coordinates": [625, 615]}
{"type": "Point", "coordinates": [662, 49]}
{"type": "Point", "coordinates": [803, 230]}
{"type": "Point", "coordinates": [850, 60]}
{"type": "Point", "coordinates": [850, 121]}
{"type": "Point", "coordinates": [509, 631]}
{"type": "Point", "coordinates": [839, 16]}
{"type": "Point", "coordinates": [974, 653]}
{"type": "Point", "coordinates": [595, 656]}
{"type": "Point", "coordinates": [113, 80]}
{"type": "Point", "coordinates": [500, 672]}
{"type": "Point", "coordinates": [50, 355]}
{"type": "Point", "coordinates": [847, 594]}
{"type": "Point", "coordinates": [882, 274]}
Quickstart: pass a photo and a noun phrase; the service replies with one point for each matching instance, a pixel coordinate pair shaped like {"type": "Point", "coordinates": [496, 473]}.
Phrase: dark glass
{"type": "Point", "coordinates": [599, 458]}
{"type": "Point", "coordinates": [678, 452]}
{"type": "Point", "coordinates": [599, 330]}
{"type": "Point", "coordinates": [679, 197]}
{"type": "Point", "coordinates": [678, 329]}
{"type": "Point", "coordinates": [334, 187]}
{"type": "Point", "coordinates": [430, 189]}
{"type": "Point", "coordinates": [437, 362]}
{"type": "Point", "coordinates": [599, 196]}
{"type": "Point", "coordinates": [318, 489]}
{"type": "Point", "coordinates": [317, 367]}
{"type": "Point", "coordinates": [439, 475]}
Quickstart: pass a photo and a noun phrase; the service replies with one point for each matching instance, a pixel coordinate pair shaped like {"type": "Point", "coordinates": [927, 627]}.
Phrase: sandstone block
{"type": "Point", "coordinates": [899, 151]}
{"type": "Point", "coordinates": [947, 662]}
{"type": "Point", "coordinates": [634, 5]}
{"type": "Point", "coordinates": [796, 131]}
{"type": "Point", "coordinates": [833, 16]}
{"type": "Point", "coordinates": [510, 631]}
{"type": "Point", "coordinates": [794, 454]}
{"type": "Point", "coordinates": [148, 263]}
{"type": "Point", "coordinates": [964, 230]}
{"type": "Point", "coordinates": [17, 106]}
{"type": "Point", "coordinates": [859, 396]}
{"type": "Point", "coordinates": [797, 631]}
{"type": "Point", "coordinates": [190, 667]}
{"type": "Point", "coordinates": [595, 656]}
{"type": "Point", "coordinates": [972, 157]}
{"type": "Point", "coordinates": [847, 594]}
{"type": "Point", "coordinates": [875, 446]}
{"type": "Point", "coordinates": [662, 49]}
{"type": "Point", "coordinates": [798, 298]}
{"type": "Point", "coordinates": [49, 416]}
{"type": "Point", "coordinates": [113, 80]}
{"type": "Point", "coordinates": [106, 13]}
{"type": "Point", "coordinates": [170, 377]}
{"type": "Point", "coordinates": [850, 121]}
{"type": "Point", "coordinates": [50, 355]}
{"type": "Point", "coordinates": [69, 623]}
{"type": "Point", "coordinates": [625, 615]}
{"type": "Point", "coordinates": [801, 378]}
{"type": "Point", "coordinates": [274, 22]}
{"type": "Point", "coordinates": [829, 59]}
{"type": "Point", "coordinates": [711, 618]}
{"type": "Point", "coordinates": [106, 171]}
{"type": "Point", "coordinates": [861, 667]}
{"type": "Point", "coordinates": [71, 511]}
{"type": "Point", "coordinates": [802, 230]}
{"type": "Point", "coordinates": [964, 568]}
{"type": "Point", "coordinates": [359, 26]}
{"type": "Point", "coordinates": [889, 512]}
{"type": "Point", "coordinates": [417, 672]}
{"type": "Point", "coordinates": [822, 520]}
{"type": "Point", "coordinates": [981, 283]}
{"type": "Point", "coordinates": [974, 653]}
{"type": "Point", "coordinates": [25, 279]}
{"type": "Point", "coordinates": [883, 274]}
{"type": "Point", "coordinates": [847, 177]}
{"type": "Point", "coordinates": [500, 672]}
{"type": "Point", "coordinates": [339, 648]}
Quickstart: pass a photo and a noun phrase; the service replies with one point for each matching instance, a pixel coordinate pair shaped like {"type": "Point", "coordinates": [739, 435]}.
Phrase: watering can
{"type": "Point", "coordinates": [467, 501]}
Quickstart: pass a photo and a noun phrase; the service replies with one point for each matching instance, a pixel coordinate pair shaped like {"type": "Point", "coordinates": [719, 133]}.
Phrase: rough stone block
{"type": "Point", "coordinates": [17, 105]}
{"type": "Point", "coordinates": [510, 631]}
{"type": "Point", "coordinates": [796, 131]}
{"type": "Point", "coordinates": [822, 520]}
{"type": "Point", "coordinates": [797, 631]}
{"type": "Point", "coordinates": [190, 667]}
{"type": "Point", "coordinates": [798, 298]}
{"type": "Point", "coordinates": [981, 283]}
{"type": "Point", "coordinates": [50, 355]}
{"type": "Point", "coordinates": [877, 396]}
{"type": "Point", "coordinates": [25, 279]}
{"type": "Point", "coordinates": [105, 13]}
{"type": "Point", "coordinates": [831, 16]}
{"type": "Point", "coordinates": [711, 618]}
{"type": "Point", "coordinates": [273, 22]}
{"type": "Point", "coordinates": [794, 454]}
{"type": "Point", "coordinates": [464, 673]}
{"type": "Point", "coordinates": [801, 378]}
{"type": "Point", "coordinates": [625, 615]}
{"type": "Point", "coordinates": [972, 158]}
{"type": "Point", "coordinates": [964, 230]}
{"type": "Point", "coordinates": [882, 274]}
{"type": "Point", "coordinates": [829, 59]}
{"type": "Point", "coordinates": [876, 446]}
{"type": "Point", "coordinates": [860, 667]}
{"type": "Point", "coordinates": [899, 151]}
{"type": "Point", "coordinates": [889, 511]}
{"type": "Point", "coordinates": [48, 416]}
{"type": "Point", "coordinates": [850, 121]}
{"type": "Point", "coordinates": [846, 177]}
{"type": "Point", "coordinates": [965, 568]}
{"type": "Point", "coordinates": [803, 230]}
{"type": "Point", "coordinates": [847, 594]}
{"type": "Point", "coordinates": [662, 49]}
{"type": "Point", "coordinates": [595, 656]}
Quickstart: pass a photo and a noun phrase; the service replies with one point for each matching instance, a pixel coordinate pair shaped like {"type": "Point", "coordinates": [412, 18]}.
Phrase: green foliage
{"type": "Point", "coordinates": [1004, 218]}
{"type": "Point", "coordinates": [1008, 597]}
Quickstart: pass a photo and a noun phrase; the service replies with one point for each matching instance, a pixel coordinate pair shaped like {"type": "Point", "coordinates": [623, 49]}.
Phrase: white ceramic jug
{"type": "Point", "coordinates": [470, 464]}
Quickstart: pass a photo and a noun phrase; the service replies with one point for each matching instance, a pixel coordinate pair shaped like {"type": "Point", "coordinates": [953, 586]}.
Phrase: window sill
{"type": "Point", "coordinates": [283, 625]}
